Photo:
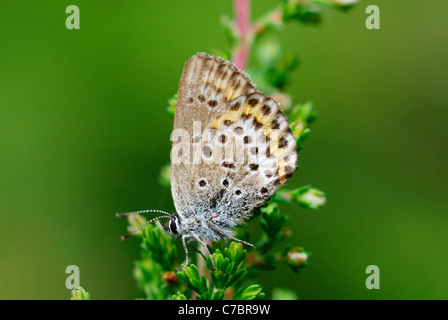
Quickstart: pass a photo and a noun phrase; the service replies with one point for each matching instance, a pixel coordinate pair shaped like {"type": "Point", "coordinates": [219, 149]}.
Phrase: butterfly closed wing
{"type": "Point", "coordinates": [232, 150]}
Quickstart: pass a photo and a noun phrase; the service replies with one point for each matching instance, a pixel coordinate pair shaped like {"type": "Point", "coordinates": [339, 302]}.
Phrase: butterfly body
{"type": "Point", "coordinates": [232, 150]}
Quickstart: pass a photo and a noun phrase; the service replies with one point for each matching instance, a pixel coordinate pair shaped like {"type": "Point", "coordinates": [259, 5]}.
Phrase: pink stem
{"type": "Point", "coordinates": [242, 15]}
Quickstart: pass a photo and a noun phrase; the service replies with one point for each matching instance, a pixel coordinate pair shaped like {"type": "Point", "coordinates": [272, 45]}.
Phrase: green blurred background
{"type": "Point", "coordinates": [84, 131]}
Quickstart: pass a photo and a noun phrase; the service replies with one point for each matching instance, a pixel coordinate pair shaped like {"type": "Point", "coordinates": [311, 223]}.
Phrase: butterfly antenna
{"type": "Point", "coordinates": [127, 214]}
{"type": "Point", "coordinates": [123, 237]}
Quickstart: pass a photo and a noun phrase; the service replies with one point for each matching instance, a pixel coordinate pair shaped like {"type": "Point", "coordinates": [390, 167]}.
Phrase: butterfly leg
{"type": "Point", "coordinates": [205, 246]}
{"type": "Point", "coordinates": [195, 249]}
{"type": "Point", "coordinates": [184, 237]}
{"type": "Point", "coordinates": [225, 234]}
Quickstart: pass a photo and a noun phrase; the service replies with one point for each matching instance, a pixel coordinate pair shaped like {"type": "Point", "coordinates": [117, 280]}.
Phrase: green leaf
{"type": "Point", "coordinates": [344, 5]}
{"type": "Point", "coordinates": [235, 277]}
{"type": "Point", "coordinates": [80, 294]}
{"type": "Point", "coordinates": [172, 104]}
{"type": "Point", "coordinates": [236, 254]}
{"type": "Point", "coordinates": [272, 221]}
{"type": "Point", "coordinates": [160, 246]}
{"type": "Point", "coordinates": [192, 279]}
{"type": "Point", "coordinates": [249, 293]}
{"type": "Point", "coordinates": [306, 12]}
{"type": "Point", "coordinates": [303, 113]}
{"type": "Point", "coordinates": [283, 294]}
{"type": "Point", "coordinates": [218, 295]}
{"type": "Point", "coordinates": [273, 64]}
{"type": "Point", "coordinates": [178, 296]}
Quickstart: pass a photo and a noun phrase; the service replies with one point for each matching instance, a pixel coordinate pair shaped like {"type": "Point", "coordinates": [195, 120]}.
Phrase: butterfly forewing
{"type": "Point", "coordinates": [240, 151]}
{"type": "Point", "coordinates": [206, 87]}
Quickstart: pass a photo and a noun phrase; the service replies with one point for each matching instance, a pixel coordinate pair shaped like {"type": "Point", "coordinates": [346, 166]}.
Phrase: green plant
{"type": "Point", "coordinates": [254, 47]}
{"type": "Point", "coordinates": [80, 294]}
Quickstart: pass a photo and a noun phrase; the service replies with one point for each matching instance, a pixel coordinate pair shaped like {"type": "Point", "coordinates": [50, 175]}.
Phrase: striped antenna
{"type": "Point", "coordinates": [127, 214]}
{"type": "Point", "coordinates": [123, 237]}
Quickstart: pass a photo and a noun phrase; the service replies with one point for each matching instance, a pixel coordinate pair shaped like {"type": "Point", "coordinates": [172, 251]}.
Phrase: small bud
{"type": "Point", "coordinates": [228, 294]}
{"type": "Point", "coordinates": [179, 296]}
{"type": "Point", "coordinates": [283, 294]}
{"type": "Point", "coordinates": [172, 104]}
{"type": "Point", "coordinates": [170, 278]}
{"type": "Point", "coordinates": [344, 3]}
{"type": "Point", "coordinates": [297, 257]}
{"type": "Point", "coordinates": [303, 113]}
{"type": "Point", "coordinates": [80, 294]}
{"type": "Point", "coordinates": [286, 232]}
{"type": "Point", "coordinates": [297, 129]}
{"type": "Point", "coordinates": [309, 197]}
{"type": "Point", "coordinates": [306, 11]}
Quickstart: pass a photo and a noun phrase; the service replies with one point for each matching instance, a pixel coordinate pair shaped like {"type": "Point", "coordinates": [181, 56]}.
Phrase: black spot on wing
{"type": "Point", "coordinates": [216, 199]}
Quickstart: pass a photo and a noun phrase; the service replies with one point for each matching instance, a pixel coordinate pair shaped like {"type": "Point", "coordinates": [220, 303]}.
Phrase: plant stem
{"type": "Point", "coordinates": [242, 17]}
{"type": "Point", "coordinates": [201, 267]}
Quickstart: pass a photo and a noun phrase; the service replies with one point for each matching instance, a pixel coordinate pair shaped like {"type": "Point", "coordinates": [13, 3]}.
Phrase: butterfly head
{"type": "Point", "coordinates": [174, 227]}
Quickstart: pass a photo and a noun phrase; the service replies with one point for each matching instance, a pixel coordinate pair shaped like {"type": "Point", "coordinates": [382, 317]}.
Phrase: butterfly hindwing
{"type": "Point", "coordinates": [245, 150]}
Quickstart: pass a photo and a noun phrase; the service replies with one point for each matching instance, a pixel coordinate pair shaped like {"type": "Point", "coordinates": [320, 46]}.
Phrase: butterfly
{"type": "Point", "coordinates": [232, 150]}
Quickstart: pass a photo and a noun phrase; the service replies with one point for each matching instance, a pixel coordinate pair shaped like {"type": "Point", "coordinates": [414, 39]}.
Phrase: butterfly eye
{"type": "Point", "coordinates": [173, 226]}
